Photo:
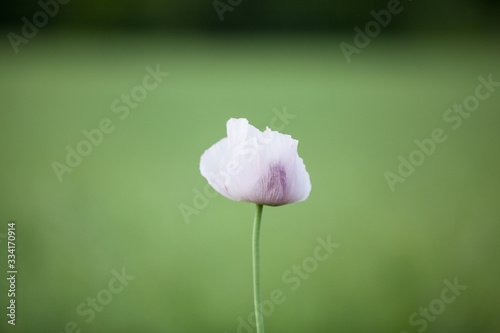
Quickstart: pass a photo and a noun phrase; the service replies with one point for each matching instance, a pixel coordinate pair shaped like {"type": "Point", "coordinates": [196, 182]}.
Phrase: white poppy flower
{"type": "Point", "coordinates": [254, 166]}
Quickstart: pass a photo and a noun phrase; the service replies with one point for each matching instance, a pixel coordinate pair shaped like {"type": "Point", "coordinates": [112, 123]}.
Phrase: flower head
{"type": "Point", "coordinates": [254, 166]}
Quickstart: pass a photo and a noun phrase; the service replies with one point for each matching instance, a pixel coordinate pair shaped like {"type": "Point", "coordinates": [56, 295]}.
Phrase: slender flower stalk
{"type": "Point", "coordinates": [256, 270]}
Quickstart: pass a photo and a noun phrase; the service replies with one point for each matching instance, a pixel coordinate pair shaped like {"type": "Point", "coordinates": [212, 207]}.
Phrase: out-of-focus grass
{"type": "Point", "coordinates": [120, 207]}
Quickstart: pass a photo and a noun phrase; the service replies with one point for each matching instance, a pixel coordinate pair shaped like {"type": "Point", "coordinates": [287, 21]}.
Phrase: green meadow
{"type": "Point", "coordinates": [116, 230]}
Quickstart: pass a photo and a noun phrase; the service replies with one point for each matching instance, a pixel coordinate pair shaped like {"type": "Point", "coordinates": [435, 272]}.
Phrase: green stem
{"type": "Point", "coordinates": [256, 271]}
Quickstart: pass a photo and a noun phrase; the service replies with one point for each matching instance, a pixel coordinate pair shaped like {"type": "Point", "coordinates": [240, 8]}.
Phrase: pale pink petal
{"type": "Point", "coordinates": [254, 166]}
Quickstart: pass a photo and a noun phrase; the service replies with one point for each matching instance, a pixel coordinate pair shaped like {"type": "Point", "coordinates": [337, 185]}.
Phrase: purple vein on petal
{"type": "Point", "coordinates": [276, 184]}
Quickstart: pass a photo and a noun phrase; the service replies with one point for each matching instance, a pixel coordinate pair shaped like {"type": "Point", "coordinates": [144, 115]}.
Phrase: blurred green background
{"type": "Point", "coordinates": [121, 207]}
